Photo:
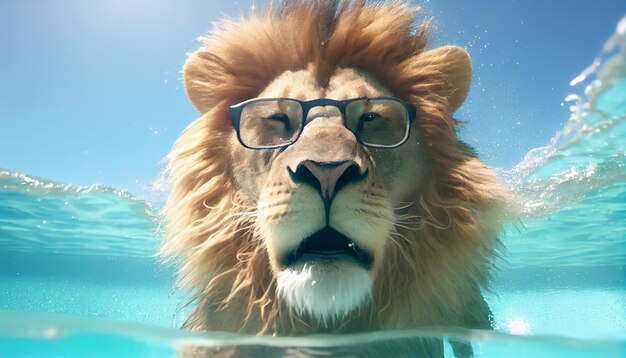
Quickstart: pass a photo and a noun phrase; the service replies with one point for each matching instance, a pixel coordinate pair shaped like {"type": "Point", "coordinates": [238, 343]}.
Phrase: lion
{"type": "Point", "coordinates": [323, 188]}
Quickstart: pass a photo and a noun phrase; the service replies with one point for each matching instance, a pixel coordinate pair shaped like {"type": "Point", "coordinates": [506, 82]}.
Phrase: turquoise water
{"type": "Point", "coordinates": [78, 274]}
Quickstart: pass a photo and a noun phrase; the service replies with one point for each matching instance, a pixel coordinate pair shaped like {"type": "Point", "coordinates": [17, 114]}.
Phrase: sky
{"type": "Point", "coordinates": [91, 91]}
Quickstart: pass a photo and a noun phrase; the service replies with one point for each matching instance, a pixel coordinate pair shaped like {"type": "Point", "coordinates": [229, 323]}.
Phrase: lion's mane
{"type": "Point", "coordinates": [444, 246]}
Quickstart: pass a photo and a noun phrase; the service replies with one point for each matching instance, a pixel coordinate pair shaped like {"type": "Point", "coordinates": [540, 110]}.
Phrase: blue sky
{"type": "Point", "coordinates": [90, 91]}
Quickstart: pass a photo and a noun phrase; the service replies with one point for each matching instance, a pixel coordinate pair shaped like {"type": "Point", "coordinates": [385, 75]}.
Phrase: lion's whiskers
{"type": "Point", "coordinates": [405, 206]}
{"type": "Point", "coordinates": [404, 220]}
{"type": "Point", "coordinates": [405, 226]}
{"type": "Point", "coordinates": [207, 205]}
{"type": "Point", "coordinates": [395, 234]}
{"type": "Point", "coordinates": [431, 219]}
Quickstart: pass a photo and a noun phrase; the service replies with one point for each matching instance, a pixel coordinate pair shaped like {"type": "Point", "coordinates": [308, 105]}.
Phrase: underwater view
{"type": "Point", "coordinates": [79, 274]}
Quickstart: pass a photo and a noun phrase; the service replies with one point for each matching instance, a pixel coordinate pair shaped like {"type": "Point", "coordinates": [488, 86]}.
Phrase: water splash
{"type": "Point", "coordinates": [589, 153]}
{"type": "Point", "coordinates": [38, 215]}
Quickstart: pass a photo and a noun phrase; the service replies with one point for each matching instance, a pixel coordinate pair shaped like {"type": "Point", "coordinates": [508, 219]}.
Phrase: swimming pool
{"type": "Point", "coordinates": [78, 276]}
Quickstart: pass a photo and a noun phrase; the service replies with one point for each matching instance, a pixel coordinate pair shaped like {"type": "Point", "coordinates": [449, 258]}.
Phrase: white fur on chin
{"type": "Point", "coordinates": [325, 289]}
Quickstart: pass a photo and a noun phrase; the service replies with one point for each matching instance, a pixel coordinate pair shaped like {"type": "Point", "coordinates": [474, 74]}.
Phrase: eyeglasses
{"type": "Point", "coordinates": [268, 123]}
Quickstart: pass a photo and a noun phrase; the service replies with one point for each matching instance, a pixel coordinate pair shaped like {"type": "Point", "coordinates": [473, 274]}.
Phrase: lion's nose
{"type": "Point", "coordinates": [328, 177]}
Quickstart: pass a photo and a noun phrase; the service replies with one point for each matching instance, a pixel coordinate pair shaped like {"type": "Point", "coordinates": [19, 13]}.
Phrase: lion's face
{"type": "Point", "coordinates": [326, 233]}
{"type": "Point", "coordinates": [326, 204]}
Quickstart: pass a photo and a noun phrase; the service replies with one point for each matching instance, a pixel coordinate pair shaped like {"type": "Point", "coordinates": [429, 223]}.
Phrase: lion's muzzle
{"type": "Point", "coordinates": [325, 221]}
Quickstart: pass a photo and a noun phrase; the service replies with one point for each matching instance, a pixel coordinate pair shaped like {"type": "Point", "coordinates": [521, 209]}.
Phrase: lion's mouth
{"type": "Point", "coordinates": [329, 244]}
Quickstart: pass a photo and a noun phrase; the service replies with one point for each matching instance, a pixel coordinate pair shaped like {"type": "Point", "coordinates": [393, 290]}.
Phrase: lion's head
{"type": "Point", "coordinates": [324, 187]}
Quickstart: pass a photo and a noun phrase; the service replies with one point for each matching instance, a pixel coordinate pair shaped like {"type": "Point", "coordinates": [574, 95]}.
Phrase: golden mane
{"type": "Point", "coordinates": [444, 244]}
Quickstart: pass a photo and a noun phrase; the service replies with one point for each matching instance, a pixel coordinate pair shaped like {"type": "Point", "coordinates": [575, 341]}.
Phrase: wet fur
{"type": "Point", "coordinates": [440, 255]}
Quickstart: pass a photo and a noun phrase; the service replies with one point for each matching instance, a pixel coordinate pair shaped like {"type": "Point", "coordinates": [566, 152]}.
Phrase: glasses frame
{"type": "Point", "coordinates": [236, 111]}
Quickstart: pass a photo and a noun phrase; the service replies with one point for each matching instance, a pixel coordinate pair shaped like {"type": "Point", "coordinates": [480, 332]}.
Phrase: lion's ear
{"type": "Point", "coordinates": [195, 78]}
{"type": "Point", "coordinates": [454, 64]}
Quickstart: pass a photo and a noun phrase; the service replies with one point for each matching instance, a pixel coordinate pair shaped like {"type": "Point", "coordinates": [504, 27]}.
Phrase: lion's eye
{"type": "Point", "coordinates": [281, 117]}
{"type": "Point", "coordinates": [369, 116]}
{"type": "Point", "coordinates": [282, 120]}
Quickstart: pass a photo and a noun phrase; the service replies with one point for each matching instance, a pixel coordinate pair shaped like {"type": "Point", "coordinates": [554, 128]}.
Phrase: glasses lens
{"type": "Point", "coordinates": [378, 122]}
{"type": "Point", "coordinates": [270, 123]}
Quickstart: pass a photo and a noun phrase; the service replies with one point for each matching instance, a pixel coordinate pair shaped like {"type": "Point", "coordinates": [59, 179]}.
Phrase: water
{"type": "Point", "coordinates": [78, 276]}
